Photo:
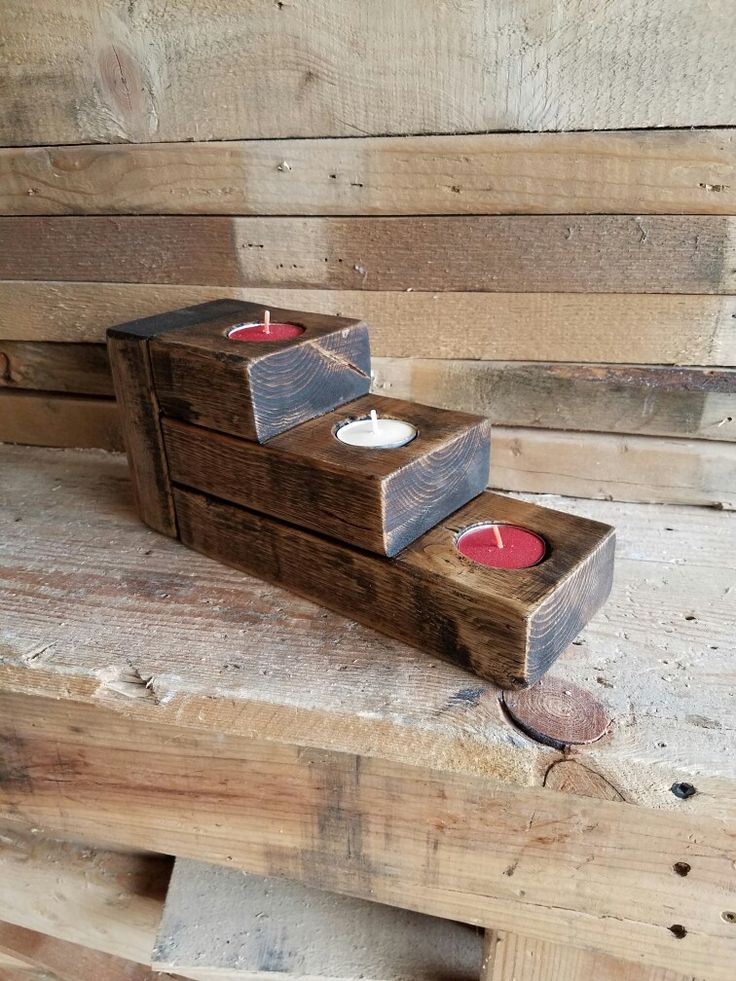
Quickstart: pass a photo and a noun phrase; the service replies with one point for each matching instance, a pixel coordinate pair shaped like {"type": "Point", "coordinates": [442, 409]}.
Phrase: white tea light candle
{"type": "Point", "coordinates": [376, 433]}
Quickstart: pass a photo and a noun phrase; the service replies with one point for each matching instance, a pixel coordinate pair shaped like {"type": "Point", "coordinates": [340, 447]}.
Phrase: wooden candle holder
{"type": "Point", "coordinates": [377, 499]}
{"type": "Point", "coordinates": [507, 625]}
{"type": "Point", "coordinates": [319, 516]}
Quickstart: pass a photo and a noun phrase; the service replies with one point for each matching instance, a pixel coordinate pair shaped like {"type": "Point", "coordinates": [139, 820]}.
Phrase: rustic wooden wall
{"type": "Point", "coordinates": [546, 235]}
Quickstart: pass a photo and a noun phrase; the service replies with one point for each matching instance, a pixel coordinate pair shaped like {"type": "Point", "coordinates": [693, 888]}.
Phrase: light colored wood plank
{"type": "Point", "coordinates": [47, 419]}
{"type": "Point", "coordinates": [655, 172]}
{"type": "Point", "coordinates": [82, 369]}
{"type": "Point", "coordinates": [234, 925]}
{"type": "Point", "coordinates": [524, 253]}
{"type": "Point", "coordinates": [510, 957]}
{"type": "Point", "coordinates": [110, 72]}
{"type": "Point", "coordinates": [549, 865]}
{"type": "Point", "coordinates": [79, 895]}
{"type": "Point", "coordinates": [600, 398]}
{"type": "Point", "coordinates": [649, 329]}
{"type": "Point", "coordinates": [653, 469]}
{"type": "Point", "coordinates": [226, 652]}
{"type": "Point", "coordinates": [67, 961]}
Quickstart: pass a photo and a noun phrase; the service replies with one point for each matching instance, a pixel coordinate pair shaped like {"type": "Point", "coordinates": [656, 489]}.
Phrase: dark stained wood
{"type": "Point", "coordinates": [59, 419]}
{"type": "Point", "coordinates": [82, 369]}
{"type": "Point", "coordinates": [518, 253]}
{"type": "Point", "coordinates": [139, 409]}
{"type": "Point", "coordinates": [505, 625]}
{"type": "Point", "coordinates": [258, 390]}
{"type": "Point", "coordinates": [558, 713]}
{"type": "Point", "coordinates": [380, 500]}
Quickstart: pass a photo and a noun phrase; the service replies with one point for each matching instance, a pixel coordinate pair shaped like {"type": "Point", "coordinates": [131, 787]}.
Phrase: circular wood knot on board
{"type": "Point", "coordinates": [557, 713]}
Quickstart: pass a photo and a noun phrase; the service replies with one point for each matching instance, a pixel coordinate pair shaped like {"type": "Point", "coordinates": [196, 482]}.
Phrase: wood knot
{"type": "Point", "coordinates": [557, 713]}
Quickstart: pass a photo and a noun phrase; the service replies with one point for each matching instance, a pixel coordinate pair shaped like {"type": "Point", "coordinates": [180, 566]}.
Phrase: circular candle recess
{"type": "Point", "coordinates": [264, 332]}
{"type": "Point", "coordinates": [376, 433]}
{"type": "Point", "coordinates": [501, 546]}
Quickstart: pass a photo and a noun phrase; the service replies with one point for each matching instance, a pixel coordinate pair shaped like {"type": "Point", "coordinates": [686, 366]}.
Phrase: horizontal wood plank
{"type": "Point", "coordinates": [692, 402]}
{"type": "Point", "coordinates": [598, 870]}
{"type": "Point", "coordinates": [115, 73]}
{"type": "Point", "coordinates": [621, 468]}
{"type": "Point", "coordinates": [82, 369]}
{"type": "Point", "coordinates": [655, 172]}
{"type": "Point", "coordinates": [601, 328]}
{"type": "Point", "coordinates": [47, 419]}
{"type": "Point", "coordinates": [537, 253]}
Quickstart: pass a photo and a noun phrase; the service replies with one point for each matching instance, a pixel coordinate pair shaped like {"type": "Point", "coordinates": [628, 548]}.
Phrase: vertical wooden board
{"type": "Point", "coordinates": [113, 72]}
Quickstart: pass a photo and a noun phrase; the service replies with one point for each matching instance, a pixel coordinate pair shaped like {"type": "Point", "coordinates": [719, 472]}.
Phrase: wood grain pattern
{"type": "Point", "coordinates": [405, 835]}
{"type": "Point", "coordinates": [165, 633]}
{"type": "Point", "coordinates": [380, 500]}
{"type": "Point", "coordinates": [614, 467]}
{"type": "Point", "coordinates": [67, 961]}
{"type": "Point", "coordinates": [539, 253]}
{"type": "Point", "coordinates": [250, 927]}
{"type": "Point", "coordinates": [44, 419]}
{"type": "Point", "coordinates": [82, 369]}
{"type": "Point", "coordinates": [107, 72]}
{"type": "Point", "coordinates": [600, 328]}
{"type": "Point", "coordinates": [643, 399]}
{"type": "Point", "coordinates": [259, 390]}
{"type": "Point", "coordinates": [511, 957]}
{"type": "Point", "coordinates": [557, 713]}
{"type": "Point", "coordinates": [505, 625]}
{"type": "Point", "coordinates": [655, 172]}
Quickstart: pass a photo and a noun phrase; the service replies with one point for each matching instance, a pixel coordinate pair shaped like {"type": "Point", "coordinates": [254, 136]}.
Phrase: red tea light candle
{"type": "Point", "coordinates": [265, 331]}
{"type": "Point", "coordinates": [501, 546]}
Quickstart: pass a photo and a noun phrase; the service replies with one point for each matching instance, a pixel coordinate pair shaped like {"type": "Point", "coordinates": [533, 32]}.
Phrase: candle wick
{"type": "Point", "coordinates": [497, 536]}
{"type": "Point", "coordinates": [266, 321]}
{"type": "Point", "coordinates": [374, 420]}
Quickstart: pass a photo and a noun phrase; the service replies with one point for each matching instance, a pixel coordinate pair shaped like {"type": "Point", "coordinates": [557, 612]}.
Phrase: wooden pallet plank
{"type": "Point", "coordinates": [653, 469]}
{"type": "Point", "coordinates": [655, 172]}
{"type": "Point", "coordinates": [107, 72]}
{"type": "Point", "coordinates": [526, 253]}
{"type": "Point", "coordinates": [641, 399]}
{"type": "Point", "coordinates": [81, 369]}
{"type": "Point", "coordinates": [49, 419]}
{"type": "Point", "coordinates": [593, 869]}
{"type": "Point", "coordinates": [649, 328]}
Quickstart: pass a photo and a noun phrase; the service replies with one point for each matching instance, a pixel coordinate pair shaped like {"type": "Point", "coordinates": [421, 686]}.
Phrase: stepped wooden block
{"type": "Point", "coordinates": [377, 499]}
{"type": "Point", "coordinates": [217, 374]}
{"type": "Point", "coordinates": [506, 625]}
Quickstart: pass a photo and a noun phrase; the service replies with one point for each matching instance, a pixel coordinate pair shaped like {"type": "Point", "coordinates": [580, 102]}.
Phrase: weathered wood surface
{"type": "Point", "coordinates": [463, 847]}
{"type": "Point", "coordinates": [80, 895]}
{"type": "Point", "coordinates": [250, 928]}
{"type": "Point", "coordinates": [43, 419]}
{"type": "Point", "coordinates": [655, 172]}
{"type": "Point", "coordinates": [380, 500]}
{"type": "Point", "coordinates": [600, 328]}
{"type": "Point", "coordinates": [649, 469]}
{"type": "Point", "coordinates": [114, 73]}
{"type": "Point", "coordinates": [640, 399]}
{"type": "Point", "coordinates": [507, 626]}
{"type": "Point", "coordinates": [82, 369]}
{"type": "Point", "coordinates": [511, 957]}
{"type": "Point", "coordinates": [225, 650]}
{"type": "Point", "coordinates": [258, 390]}
{"type": "Point", "coordinates": [537, 253]}
{"type": "Point", "coordinates": [65, 961]}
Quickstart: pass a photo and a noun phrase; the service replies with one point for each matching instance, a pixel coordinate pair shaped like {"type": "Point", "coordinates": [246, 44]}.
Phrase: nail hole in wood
{"type": "Point", "coordinates": [729, 916]}
{"type": "Point", "coordinates": [681, 868]}
{"type": "Point", "coordinates": [678, 930]}
{"type": "Point", "coordinates": [683, 790]}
